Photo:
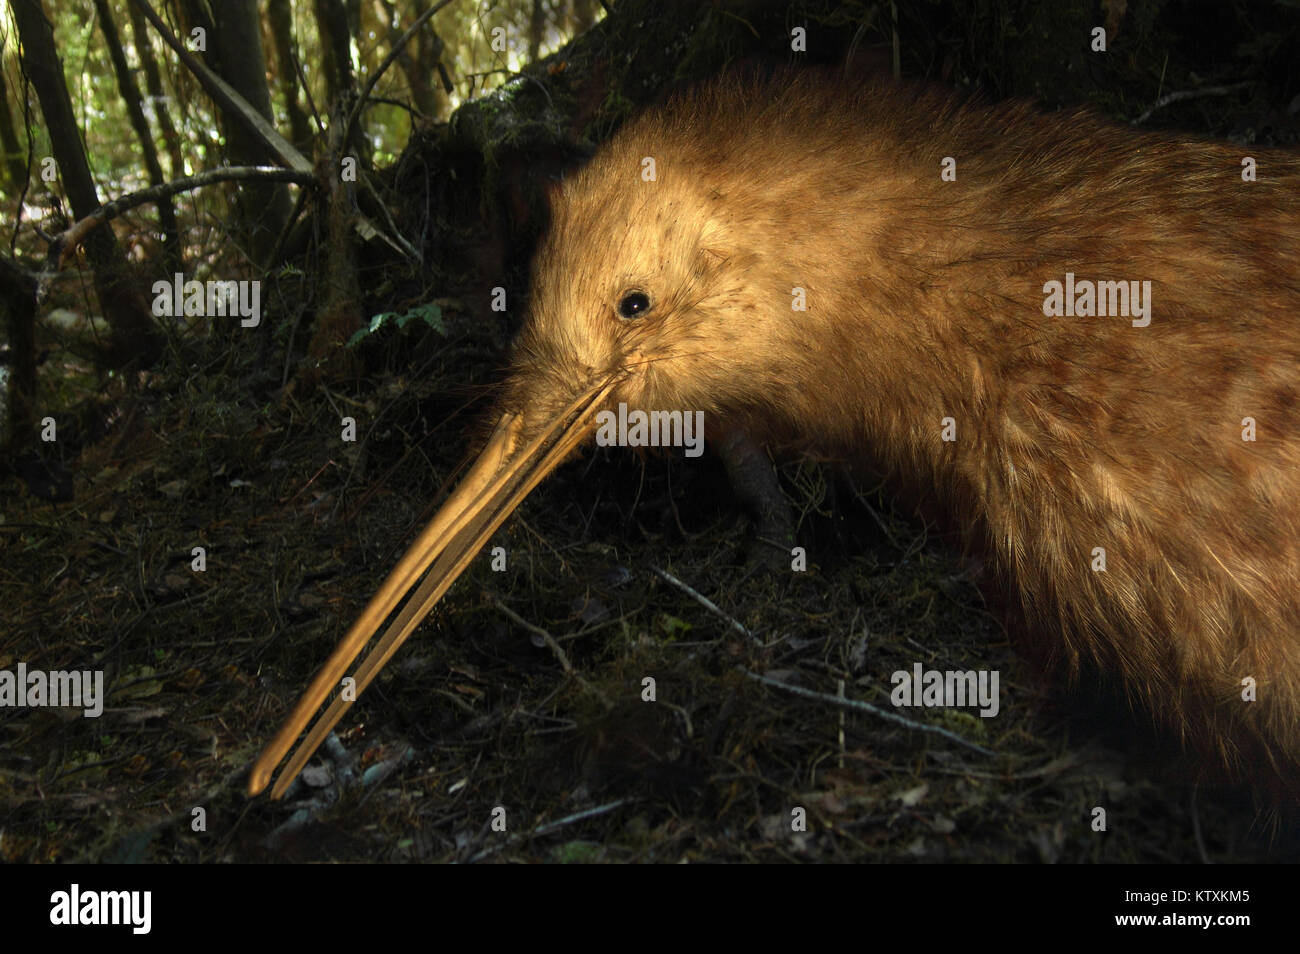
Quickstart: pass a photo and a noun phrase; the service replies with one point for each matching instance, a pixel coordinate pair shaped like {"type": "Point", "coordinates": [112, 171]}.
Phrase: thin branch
{"type": "Point", "coordinates": [228, 98]}
{"type": "Point", "coordinates": [398, 240]}
{"type": "Point", "coordinates": [1180, 94]}
{"type": "Point", "coordinates": [65, 243]}
{"type": "Point", "coordinates": [554, 647]}
{"type": "Point", "coordinates": [306, 89]}
{"type": "Point", "coordinates": [389, 60]}
{"type": "Point", "coordinates": [704, 601]}
{"type": "Point", "coordinates": [554, 826]}
{"type": "Point", "coordinates": [867, 708]}
{"type": "Point", "coordinates": [546, 637]}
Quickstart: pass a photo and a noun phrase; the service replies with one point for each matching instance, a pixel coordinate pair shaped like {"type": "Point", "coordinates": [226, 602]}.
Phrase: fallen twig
{"type": "Point", "coordinates": [867, 708]}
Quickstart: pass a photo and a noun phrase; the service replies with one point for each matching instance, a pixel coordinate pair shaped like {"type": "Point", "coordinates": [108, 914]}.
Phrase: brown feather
{"type": "Point", "coordinates": [925, 301]}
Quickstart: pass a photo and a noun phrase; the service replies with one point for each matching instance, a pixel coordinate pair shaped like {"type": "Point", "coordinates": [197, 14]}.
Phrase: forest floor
{"type": "Point", "coordinates": [476, 717]}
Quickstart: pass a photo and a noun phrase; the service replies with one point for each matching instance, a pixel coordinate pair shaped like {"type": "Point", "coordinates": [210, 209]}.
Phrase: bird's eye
{"type": "Point", "coordinates": [633, 305]}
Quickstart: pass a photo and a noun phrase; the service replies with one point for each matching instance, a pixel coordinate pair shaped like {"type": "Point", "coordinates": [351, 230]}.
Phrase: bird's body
{"type": "Point", "coordinates": [886, 273]}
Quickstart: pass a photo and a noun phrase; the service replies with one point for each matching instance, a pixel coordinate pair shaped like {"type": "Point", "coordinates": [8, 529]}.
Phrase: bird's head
{"type": "Point", "coordinates": [649, 289]}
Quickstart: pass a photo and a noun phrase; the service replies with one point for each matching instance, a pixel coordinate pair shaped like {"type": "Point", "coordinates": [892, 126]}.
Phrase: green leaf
{"type": "Point", "coordinates": [672, 626]}
{"type": "Point", "coordinates": [430, 314]}
{"type": "Point", "coordinates": [579, 852]}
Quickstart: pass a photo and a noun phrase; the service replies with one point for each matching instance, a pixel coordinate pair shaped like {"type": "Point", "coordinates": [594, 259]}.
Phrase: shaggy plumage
{"type": "Point", "coordinates": [790, 258]}
{"type": "Point", "coordinates": [1073, 438]}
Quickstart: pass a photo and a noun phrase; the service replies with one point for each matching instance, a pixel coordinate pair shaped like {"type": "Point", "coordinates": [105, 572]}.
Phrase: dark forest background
{"type": "Point", "coordinates": [379, 167]}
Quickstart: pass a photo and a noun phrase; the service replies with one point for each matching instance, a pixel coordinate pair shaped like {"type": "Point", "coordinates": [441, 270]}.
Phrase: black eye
{"type": "Point", "coordinates": [633, 305]}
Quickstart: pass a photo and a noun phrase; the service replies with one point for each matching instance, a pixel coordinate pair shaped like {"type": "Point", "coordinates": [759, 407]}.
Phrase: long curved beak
{"type": "Point", "coordinates": [498, 482]}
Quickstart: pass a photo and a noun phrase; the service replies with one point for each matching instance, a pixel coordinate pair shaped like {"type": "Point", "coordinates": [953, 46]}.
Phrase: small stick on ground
{"type": "Point", "coordinates": [705, 602]}
{"type": "Point", "coordinates": [867, 708]}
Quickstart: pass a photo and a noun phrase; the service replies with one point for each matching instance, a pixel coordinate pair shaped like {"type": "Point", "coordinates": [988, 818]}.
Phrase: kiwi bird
{"type": "Point", "coordinates": [1078, 339]}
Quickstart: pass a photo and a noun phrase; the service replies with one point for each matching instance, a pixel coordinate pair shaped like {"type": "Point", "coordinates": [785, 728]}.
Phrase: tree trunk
{"type": "Point", "coordinates": [279, 15]}
{"type": "Point", "coordinates": [339, 314]}
{"type": "Point", "coordinates": [134, 335]}
{"type": "Point", "coordinates": [335, 48]}
{"type": "Point", "coordinates": [236, 45]}
{"type": "Point", "coordinates": [135, 111]}
{"type": "Point", "coordinates": [15, 156]}
{"type": "Point", "coordinates": [153, 83]}
{"type": "Point", "coordinates": [336, 62]}
{"type": "Point", "coordinates": [536, 30]}
{"type": "Point", "coordinates": [416, 70]}
{"type": "Point", "coordinates": [18, 319]}
{"type": "Point", "coordinates": [431, 51]}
